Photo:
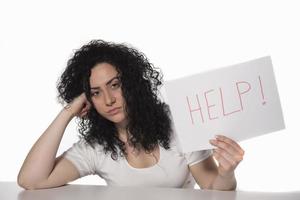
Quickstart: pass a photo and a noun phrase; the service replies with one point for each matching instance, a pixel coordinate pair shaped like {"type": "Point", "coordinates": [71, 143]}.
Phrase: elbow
{"type": "Point", "coordinates": [28, 183]}
{"type": "Point", "coordinates": [25, 183]}
{"type": "Point", "coordinates": [26, 187]}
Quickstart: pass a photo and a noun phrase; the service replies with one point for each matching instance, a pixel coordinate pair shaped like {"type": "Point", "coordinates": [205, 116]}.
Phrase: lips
{"type": "Point", "coordinates": [114, 111]}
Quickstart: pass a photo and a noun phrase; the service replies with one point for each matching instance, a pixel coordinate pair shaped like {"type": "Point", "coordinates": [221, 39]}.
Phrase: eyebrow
{"type": "Point", "coordinates": [108, 82]}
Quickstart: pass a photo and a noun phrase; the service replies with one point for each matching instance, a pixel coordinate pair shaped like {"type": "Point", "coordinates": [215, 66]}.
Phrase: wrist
{"type": "Point", "coordinates": [225, 182]}
{"type": "Point", "coordinates": [228, 175]}
{"type": "Point", "coordinates": [68, 110]}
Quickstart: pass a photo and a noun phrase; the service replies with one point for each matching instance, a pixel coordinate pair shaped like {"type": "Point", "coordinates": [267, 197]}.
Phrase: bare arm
{"type": "Point", "coordinates": [41, 168]}
{"type": "Point", "coordinates": [219, 176]}
{"type": "Point", "coordinates": [207, 176]}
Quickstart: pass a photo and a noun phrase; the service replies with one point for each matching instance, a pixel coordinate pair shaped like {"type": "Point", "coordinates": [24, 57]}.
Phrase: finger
{"type": "Point", "coordinates": [232, 159]}
{"type": "Point", "coordinates": [233, 143]}
{"type": "Point", "coordinates": [89, 106]}
{"type": "Point", "coordinates": [86, 106]}
{"type": "Point", "coordinates": [222, 161]}
{"type": "Point", "coordinates": [85, 109]}
{"type": "Point", "coordinates": [82, 95]}
{"type": "Point", "coordinates": [83, 114]}
{"type": "Point", "coordinates": [224, 146]}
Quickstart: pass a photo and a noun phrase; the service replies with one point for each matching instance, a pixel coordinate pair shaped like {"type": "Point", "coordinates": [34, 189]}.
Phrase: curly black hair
{"type": "Point", "coordinates": [149, 122]}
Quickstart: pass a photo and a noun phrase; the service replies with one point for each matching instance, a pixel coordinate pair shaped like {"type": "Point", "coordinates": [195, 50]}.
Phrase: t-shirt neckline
{"type": "Point", "coordinates": [146, 168]}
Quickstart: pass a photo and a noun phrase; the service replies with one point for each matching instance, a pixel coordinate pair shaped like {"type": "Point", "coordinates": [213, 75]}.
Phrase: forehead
{"type": "Point", "coordinates": [102, 73]}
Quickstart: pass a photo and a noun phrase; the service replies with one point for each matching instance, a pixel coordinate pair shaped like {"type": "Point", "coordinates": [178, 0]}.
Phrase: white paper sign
{"type": "Point", "coordinates": [240, 101]}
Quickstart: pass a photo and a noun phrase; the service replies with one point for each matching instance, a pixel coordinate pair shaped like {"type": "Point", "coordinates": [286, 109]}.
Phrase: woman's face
{"type": "Point", "coordinates": [106, 93]}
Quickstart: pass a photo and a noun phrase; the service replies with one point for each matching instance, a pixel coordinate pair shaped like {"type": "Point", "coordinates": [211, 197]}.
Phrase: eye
{"type": "Point", "coordinates": [95, 93]}
{"type": "Point", "coordinates": [115, 85]}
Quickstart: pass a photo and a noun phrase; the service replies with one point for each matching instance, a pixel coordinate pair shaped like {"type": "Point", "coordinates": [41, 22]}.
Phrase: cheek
{"type": "Point", "coordinates": [98, 106]}
{"type": "Point", "coordinates": [120, 97]}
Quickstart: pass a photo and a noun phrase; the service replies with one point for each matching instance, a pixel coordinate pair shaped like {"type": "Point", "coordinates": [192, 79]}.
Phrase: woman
{"type": "Point", "coordinates": [126, 130]}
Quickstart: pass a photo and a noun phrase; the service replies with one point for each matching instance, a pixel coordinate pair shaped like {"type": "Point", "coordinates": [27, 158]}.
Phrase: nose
{"type": "Point", "coordinates": [109, 99]}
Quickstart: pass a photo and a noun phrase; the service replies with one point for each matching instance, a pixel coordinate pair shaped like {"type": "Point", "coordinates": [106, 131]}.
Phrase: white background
{"type": "Point", "coordinates": [180, 37]}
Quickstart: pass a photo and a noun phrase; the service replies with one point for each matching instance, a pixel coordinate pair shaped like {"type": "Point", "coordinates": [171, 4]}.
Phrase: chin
{"type": "Point", "coordinates": [116, 119]}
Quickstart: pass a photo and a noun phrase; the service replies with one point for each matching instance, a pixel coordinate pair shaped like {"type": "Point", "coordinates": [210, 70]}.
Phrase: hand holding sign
{"type": "Point", "coordinates": [228, 154]}
{"type": "Point", "coordinates": [240, 101]}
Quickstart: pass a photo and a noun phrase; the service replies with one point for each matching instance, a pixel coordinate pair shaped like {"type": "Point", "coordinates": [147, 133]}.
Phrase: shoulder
{"type": "Point", "coordinates": [85, 157]}
{"type": "Point", "coordinates": [82, 144]}
{"type": "Point", "coordinates": [82, 149]}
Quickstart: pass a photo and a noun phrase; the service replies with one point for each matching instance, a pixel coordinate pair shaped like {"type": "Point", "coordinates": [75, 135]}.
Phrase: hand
{"type": "Point", "coordinates": [79, 106]}
{"type": "Point", "coordinates": [228, 154]}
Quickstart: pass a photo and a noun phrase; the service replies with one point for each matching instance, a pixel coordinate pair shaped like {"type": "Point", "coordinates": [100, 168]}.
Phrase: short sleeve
{"type": "Point", "coordinates": [197, 156]}
{"type": "Point", "coordinates": [82, 155]}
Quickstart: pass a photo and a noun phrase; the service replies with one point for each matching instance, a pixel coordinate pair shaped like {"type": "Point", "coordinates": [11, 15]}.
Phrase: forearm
{"type": "Point", "coordinates": [224, 183]}
{"type": "Point", "coordinates": [41, 158]}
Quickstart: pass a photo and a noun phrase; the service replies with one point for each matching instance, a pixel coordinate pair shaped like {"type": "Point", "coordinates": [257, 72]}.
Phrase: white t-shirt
{"type": "Point", "coordinates": [170, 171]}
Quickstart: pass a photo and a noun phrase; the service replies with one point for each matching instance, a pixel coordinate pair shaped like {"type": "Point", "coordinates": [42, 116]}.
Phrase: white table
{"type": "Point", "coordinates": [11, 191]}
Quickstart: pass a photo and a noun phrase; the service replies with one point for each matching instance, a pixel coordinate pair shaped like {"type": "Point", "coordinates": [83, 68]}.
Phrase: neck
{"type": "Point", "coordinates": [123, 134]}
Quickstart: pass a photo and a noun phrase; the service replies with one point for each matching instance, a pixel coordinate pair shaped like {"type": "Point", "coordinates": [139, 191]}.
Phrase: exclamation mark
{"type": "Point", "coordinates": [262, 91]}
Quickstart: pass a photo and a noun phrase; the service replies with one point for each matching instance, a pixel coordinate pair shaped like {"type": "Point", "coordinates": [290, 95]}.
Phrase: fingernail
{"type": "Point", "coordinates": [212, 141]}
{"type": "Point", "coordinates": [219, 137]}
